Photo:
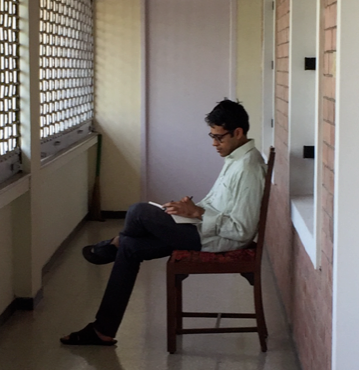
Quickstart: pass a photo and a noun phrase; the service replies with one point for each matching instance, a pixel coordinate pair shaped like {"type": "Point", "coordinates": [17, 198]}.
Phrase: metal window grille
{"type": "Point", "coordinates": [9, 89]}
{"type": "Point", "coordinates": [66, 71]}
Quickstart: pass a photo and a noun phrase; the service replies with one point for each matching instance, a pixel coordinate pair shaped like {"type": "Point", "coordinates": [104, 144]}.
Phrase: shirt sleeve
{"type": "Point", "coordinates": [239, 220]}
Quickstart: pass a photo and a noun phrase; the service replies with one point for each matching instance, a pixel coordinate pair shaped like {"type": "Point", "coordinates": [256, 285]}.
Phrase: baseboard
{"type": "Point", "coordinates": [114, 214]}
{"type": "Point", "coordinates": [9, 310]}
{"type": "Point", "coordinates": [21, 303]}
{"type": "Point", "coordinates": [29, 304]}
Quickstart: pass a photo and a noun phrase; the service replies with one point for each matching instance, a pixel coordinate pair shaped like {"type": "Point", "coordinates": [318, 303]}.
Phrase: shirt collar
{"type": "Point", "coordinates": [241, 151]}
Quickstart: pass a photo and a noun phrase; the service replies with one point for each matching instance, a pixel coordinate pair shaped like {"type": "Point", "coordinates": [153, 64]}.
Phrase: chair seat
{"type": "Point", "coordinates": [205, 257]}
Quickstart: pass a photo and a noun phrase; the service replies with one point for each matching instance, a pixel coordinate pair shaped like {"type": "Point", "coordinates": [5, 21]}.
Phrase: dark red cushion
{"type": "Point", "coordinates": [194, 256]}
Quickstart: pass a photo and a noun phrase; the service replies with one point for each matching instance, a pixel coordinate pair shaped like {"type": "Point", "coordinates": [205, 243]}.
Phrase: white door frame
{"type": "Point", "coordinates": [268, 86]}
{"type": "Point", "coordinates": [346, 199]}
{"type": "Point", "coordinates": [144, 101]}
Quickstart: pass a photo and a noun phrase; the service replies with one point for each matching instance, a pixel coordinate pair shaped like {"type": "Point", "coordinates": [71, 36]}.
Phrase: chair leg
{"type": "Point", "coordinates": [179, 307]}
{"type": "Point", "coordinates": [171, 310]}
{"type": "Point", "coordinates": [261, 323]}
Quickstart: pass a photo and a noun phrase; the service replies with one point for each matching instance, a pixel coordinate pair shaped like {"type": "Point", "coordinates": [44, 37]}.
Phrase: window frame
{"type": "Point", "coordinates": [66, 84]}
{"type": "Point", "coordinates": [10, 153]}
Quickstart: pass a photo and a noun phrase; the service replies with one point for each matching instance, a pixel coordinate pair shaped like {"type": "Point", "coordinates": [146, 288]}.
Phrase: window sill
{"type": "Point", "coordinates": [302, 210]}
{"type": "Point", "coordinates": [53, 163]}
{"type": "Point", "coordinates": [61, 142]}
{"type": "Point", "coordinates": [20, 183]}
{"type": "Point", "coordinates": [14, 188]}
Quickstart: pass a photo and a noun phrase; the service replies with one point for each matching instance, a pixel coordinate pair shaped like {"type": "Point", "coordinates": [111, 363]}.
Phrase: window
{"type": "Point", "coordinates": [9, 89]}
{"type": "Point", "coordinates": [66, 73]}
{"type": "Point", "coordinates": [303, 122]}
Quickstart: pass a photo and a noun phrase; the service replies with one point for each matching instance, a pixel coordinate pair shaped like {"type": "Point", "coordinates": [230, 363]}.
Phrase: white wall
{"type": "Point", "coordinates": [249, 65]}
{"type": "Point", "coordinates": [33, 226]}
{"type": "Point", "coordinates": [118, 100]}
{"type": "Point", "coordinates": [6, 266]}
{"type": "Point", "coordinates": [64, 203]}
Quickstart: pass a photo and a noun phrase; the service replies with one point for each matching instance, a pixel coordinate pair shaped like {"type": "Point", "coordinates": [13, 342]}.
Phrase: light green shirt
{"type": "Point", "coordinates": [232, 206]}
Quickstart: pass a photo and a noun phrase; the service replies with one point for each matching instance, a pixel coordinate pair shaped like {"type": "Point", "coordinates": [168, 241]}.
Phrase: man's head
{"type": "Point", "coordinates": [229, 124]}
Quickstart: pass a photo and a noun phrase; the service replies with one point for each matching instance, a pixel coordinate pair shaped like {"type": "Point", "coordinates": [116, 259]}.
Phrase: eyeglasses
{"type": "Point", "coordinates": [217, 137]}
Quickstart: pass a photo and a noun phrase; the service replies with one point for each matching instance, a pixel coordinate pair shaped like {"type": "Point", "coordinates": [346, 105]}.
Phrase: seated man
{"type": "Point", "coordinates": [228, 216]}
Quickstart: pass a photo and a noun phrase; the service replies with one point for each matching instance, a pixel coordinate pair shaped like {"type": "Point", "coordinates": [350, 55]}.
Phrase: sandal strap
{"type": "Point", "coordinates": [87, 336]}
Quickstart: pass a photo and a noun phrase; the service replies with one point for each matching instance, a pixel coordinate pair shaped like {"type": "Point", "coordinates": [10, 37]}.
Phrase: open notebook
{"type": "Point", "coordinates": [179, 219]}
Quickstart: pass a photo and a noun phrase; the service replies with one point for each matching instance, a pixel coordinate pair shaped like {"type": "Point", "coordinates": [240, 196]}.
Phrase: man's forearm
{"type": "Point", "coordinates": [199, 212]}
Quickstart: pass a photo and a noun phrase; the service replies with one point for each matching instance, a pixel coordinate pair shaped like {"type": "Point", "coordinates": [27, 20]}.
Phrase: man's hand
{"type": "Point", "coordinates": [185, 207]}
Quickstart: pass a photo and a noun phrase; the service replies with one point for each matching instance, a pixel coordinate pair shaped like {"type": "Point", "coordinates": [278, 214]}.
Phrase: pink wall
{"type": "Point", "coordinates": [306, 292]}
{"type": "Point", "coordinates": [180, 157]}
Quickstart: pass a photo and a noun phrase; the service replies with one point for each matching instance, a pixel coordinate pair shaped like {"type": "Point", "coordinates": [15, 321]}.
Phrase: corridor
{"type": "Point", "coordinates": [73, 290]}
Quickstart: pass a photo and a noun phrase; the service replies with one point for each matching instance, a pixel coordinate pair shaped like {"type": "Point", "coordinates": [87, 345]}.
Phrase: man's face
{"type": "Point", "coordinates": [227, 143]}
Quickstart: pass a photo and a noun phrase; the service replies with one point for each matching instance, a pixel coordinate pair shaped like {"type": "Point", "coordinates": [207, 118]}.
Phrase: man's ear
{"type": "Point", "coordinates": [238, 133]}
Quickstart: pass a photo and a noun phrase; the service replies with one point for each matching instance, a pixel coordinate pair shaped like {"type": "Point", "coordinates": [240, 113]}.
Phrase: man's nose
{"type": "Point", "coordinates": [215, 142]}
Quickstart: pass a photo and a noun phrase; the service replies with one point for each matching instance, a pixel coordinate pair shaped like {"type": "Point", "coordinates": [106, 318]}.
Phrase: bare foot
{"type": "Point", "coordinates": [88, 336]}
{"type": "Point", "coordinates": [103, 337]}
{"type": "Point", "coordinates": [116, 241]}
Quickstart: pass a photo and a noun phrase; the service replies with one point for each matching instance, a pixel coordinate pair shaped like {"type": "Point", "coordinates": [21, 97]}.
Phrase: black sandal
{"type": "Point", "coordinates": [87, 336]}
{"type": "Point", "coordinates": [101, 253]}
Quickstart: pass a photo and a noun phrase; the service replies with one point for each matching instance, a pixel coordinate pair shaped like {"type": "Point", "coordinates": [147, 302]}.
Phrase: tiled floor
{"type": "Point", "coordinates": [72, 292]}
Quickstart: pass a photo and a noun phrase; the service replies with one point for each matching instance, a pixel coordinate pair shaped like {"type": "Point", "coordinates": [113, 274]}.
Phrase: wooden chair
{"type": "Point", "coordinates": [243, 261]}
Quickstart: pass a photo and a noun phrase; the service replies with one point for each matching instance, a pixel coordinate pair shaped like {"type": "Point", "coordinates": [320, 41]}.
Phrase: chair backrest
{"type": "Point", "coordinates": [264, 207]}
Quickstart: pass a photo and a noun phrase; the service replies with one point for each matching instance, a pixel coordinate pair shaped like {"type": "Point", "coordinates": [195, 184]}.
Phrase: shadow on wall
{"type": "Point", "coordinates": [120, 175]}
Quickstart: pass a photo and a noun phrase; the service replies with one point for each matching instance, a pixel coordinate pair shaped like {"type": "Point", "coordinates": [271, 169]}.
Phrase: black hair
{"type": "Point", "coordinates": [230, 115]}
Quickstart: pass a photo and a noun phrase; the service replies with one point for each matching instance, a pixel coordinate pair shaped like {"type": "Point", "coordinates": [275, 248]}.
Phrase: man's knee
{"type": "Point", "coordinates": [138, 209]}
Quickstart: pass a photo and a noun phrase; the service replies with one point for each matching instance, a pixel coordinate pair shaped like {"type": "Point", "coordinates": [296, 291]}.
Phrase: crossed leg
{"type": "Point", "coordinates": [148, 233]}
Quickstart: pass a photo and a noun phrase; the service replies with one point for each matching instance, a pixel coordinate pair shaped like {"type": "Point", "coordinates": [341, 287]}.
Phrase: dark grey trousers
{"type": "Point", "coordinates": [149, 233]}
